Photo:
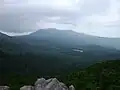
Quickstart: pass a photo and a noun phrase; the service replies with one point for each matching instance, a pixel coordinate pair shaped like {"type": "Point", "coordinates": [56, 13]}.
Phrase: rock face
{"type": "Point", "coordinates": [71, 87]}
{"type": "Point", "coordinates": [27, 88]}
{"type": "Point", "coordinates": [4, 88]}
{"type": "Point", "coordinates": [51, 84]}
{"type": "Point", "coordinates": [42, 84]}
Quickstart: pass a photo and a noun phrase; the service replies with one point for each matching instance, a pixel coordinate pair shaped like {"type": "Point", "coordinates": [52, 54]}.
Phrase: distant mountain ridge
{"type": "Point", "coordinates": [71, 35]}
{"type": "Point", "coordinates": [78, 37]}
{"type": "Point", "coordinates": [61, 42]}
{"type": "Point", "coordinates": [60, 38]}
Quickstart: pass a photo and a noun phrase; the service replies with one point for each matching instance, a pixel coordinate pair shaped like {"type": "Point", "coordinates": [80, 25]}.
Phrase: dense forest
{"type": "Point", "coordinates": [104, 75]}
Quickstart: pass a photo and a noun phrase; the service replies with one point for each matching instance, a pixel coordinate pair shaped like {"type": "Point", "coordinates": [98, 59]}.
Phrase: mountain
{"type": "Point", "coordinates": [72, 37]}
{"type": "Point", "coordinates": [63, 38]}
{"type": "Point", "coordinates": [50, 52]}
{"type": "Point", "coordinates": [65, 48]}
{"type": "Point", "coordinates": [53, 36]}
{"type": "Point", "coordinates": [64, 43]}
{"type": "Point", "coordinates": [69, 37]}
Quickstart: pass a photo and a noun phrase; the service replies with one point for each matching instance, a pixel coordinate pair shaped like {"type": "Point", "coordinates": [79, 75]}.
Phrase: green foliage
{"type": "Point", "coordinates": [105, 75]}
{"type": "Point", "coordinates": [19, 70]}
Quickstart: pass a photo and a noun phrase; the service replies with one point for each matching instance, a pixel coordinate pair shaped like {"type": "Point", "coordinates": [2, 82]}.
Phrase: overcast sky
{"type": "Point", "coordinates": [95, 17]}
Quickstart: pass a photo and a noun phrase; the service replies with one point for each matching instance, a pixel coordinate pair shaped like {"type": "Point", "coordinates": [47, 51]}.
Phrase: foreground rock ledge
{"type": "Point", "coordinates": [4, 88]}
{"type": "Point", "coordinates": [50, 84]}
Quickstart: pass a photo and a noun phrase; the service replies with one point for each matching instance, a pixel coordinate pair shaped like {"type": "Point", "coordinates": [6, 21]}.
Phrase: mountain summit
{"type": "Point", "coordinates": [75, 38]}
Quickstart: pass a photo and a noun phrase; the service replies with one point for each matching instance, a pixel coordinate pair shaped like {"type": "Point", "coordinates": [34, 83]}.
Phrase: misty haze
{"type": "Point", "coordinates": [60, 44]}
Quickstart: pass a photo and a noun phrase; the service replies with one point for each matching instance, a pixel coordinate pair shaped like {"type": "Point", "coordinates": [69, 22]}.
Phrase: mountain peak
{"type": "Point", "coordinates": [54, 31]}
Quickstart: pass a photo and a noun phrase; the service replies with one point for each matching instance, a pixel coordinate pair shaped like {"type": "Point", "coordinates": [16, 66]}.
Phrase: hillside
{"type": "Point", "coordinates": [103, 75]}
{"type": "Point", "coordinates": [70, 37]}
{"type": "Point", "coordinates": [45, 41]}
{"type": "Point", "coordinates": [57, 43]}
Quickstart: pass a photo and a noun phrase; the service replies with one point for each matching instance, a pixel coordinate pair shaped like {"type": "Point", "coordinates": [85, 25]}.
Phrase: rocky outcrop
{"type": "Point", "coordinates": [50, 84]}
{"type": "Point", "coordinates": [27, 88]}
{"type": "Point", "coordinates": [71, 87]}
{"type": "Point", "coordinates": [4, 88]}
{"type": "Point", "coordinates": [43, 84]}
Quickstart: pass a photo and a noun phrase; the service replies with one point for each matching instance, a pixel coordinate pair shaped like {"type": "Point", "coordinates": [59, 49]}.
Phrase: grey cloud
{"type": "Point", "coordinates": [21, 20]}
{"type": "Point", "coordinates": [95, 6]}
{"type": "Point", "coordinates": [18, 16]}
